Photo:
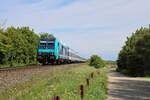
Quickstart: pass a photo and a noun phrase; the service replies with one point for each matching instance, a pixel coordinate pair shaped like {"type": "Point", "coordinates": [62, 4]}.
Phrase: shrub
{"type": "Point", "coordinates": [124, 71]}
{"type": "Point", "coordinates": [96, 61]}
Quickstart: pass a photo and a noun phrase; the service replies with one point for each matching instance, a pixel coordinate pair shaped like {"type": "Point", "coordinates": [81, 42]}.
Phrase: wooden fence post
{"type": "Point", "coordinates": [81, 89]}
{"type": "Point", "coordinates": [87, 82]}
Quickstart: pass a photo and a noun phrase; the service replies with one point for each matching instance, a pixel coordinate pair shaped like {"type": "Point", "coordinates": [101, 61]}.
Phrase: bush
{"type": "Point", "coordinates": [124, 71]}
{"type": "Point", "coordinates": [110, 62]}
{"type": "Point", "coordinates": [96, 61]}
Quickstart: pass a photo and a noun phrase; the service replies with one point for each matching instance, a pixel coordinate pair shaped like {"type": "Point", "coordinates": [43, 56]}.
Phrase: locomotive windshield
{"type": "Point", "coordinates": [43, 43]}
{"type": "Point", "coordinates": [46, 44]}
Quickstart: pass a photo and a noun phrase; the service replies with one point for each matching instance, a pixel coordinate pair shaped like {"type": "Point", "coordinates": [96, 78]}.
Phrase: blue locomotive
{"type": "Point", "coordinates": [51, 50]}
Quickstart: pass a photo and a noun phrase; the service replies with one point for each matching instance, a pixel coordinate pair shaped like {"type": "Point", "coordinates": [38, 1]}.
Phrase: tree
{"type": "Point", "coordinates": [134, 56]}
{"type": "Point", "coordinates": [18, 46]}
{"type": "Point", "coordinates": [45, 35]}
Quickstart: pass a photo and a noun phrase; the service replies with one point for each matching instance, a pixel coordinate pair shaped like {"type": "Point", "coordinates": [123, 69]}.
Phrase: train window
{"type": "Point", "coordinates": [61, 50]}
{"type": "Point", "coordinates": [43, 44]}
{"type": "Point", "coordinates": [50, 45]}
{"type": "Point", "coordinates": [66, 51]}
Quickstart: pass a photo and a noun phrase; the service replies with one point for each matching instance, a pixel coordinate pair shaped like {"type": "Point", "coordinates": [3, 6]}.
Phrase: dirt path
{"type": "Point", "coordinates": [126, 88]}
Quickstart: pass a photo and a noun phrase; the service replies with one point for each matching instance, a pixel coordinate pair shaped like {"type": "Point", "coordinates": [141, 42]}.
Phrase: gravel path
{"type": "Point", "coordinates": [127, 88]}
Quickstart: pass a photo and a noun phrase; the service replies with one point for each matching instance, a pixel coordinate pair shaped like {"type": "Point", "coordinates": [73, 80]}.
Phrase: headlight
{"type": "Point", "coordinates": [39, 57]}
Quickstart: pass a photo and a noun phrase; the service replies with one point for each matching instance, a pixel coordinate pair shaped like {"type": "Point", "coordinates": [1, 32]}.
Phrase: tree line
{"type": "Point", "coordinates": [19, 45]}
{"type": "Point", "coordinates": [134, 58]}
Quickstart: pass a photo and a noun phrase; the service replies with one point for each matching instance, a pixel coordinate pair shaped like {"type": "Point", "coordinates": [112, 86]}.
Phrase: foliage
{"type": "Point", "coordinates": [110, 62]}
{"type": "Point", "coordinates": [18, 46]}
{"type": "Point", "coordinates": [135, 54]}
{"type": "Point", "coordinates": [45, 35]}
{"type": "Point", "coordinates": [63, 83]}
{"type": "Point", "coordinates": [96, 61]}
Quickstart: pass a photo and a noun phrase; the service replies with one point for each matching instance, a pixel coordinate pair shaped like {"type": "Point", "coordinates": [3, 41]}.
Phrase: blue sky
{"type": "Point", "coordinates": [88, 26]}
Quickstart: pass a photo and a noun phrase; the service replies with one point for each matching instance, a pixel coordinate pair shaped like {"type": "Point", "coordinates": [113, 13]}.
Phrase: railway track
{"type": "Point", "coordinates": [26, 67]}
{"type": "Point", "coordinates": [23, 67]}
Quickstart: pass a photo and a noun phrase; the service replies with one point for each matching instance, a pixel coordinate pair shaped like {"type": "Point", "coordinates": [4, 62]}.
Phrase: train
{"type": "Point", "coordinates": [52, 51]}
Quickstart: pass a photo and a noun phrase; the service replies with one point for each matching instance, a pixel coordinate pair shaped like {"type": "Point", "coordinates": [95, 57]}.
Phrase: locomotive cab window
{"type": "Point", "coordinates": [51, 45]}
{"type": "Point", "coordinates": [42, 44]}
{"type": "Point", "coordinates": [47, 44]}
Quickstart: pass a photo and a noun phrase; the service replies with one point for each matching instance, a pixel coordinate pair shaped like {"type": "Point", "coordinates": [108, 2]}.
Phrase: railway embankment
{"type": "Point", "coordinates": [9, 77]}
{"type": "Point", "coordinates": [63, 80]}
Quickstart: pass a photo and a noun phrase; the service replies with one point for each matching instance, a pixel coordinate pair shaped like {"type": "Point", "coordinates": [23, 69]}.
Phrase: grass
{"type": "Point", "coordinates": [63, 83]}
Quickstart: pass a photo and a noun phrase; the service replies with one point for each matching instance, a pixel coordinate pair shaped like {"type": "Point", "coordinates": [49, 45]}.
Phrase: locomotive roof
{"type": "Point", "coordinates": [48, 38]}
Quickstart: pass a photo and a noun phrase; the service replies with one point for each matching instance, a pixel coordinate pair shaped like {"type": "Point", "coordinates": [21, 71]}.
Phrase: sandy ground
{"type": "Point", "coordinates": [127, 88]}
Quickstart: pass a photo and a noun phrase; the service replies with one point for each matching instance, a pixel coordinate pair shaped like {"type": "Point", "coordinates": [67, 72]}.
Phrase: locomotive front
{"type": "Point", "coordinates": [46, 50]}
